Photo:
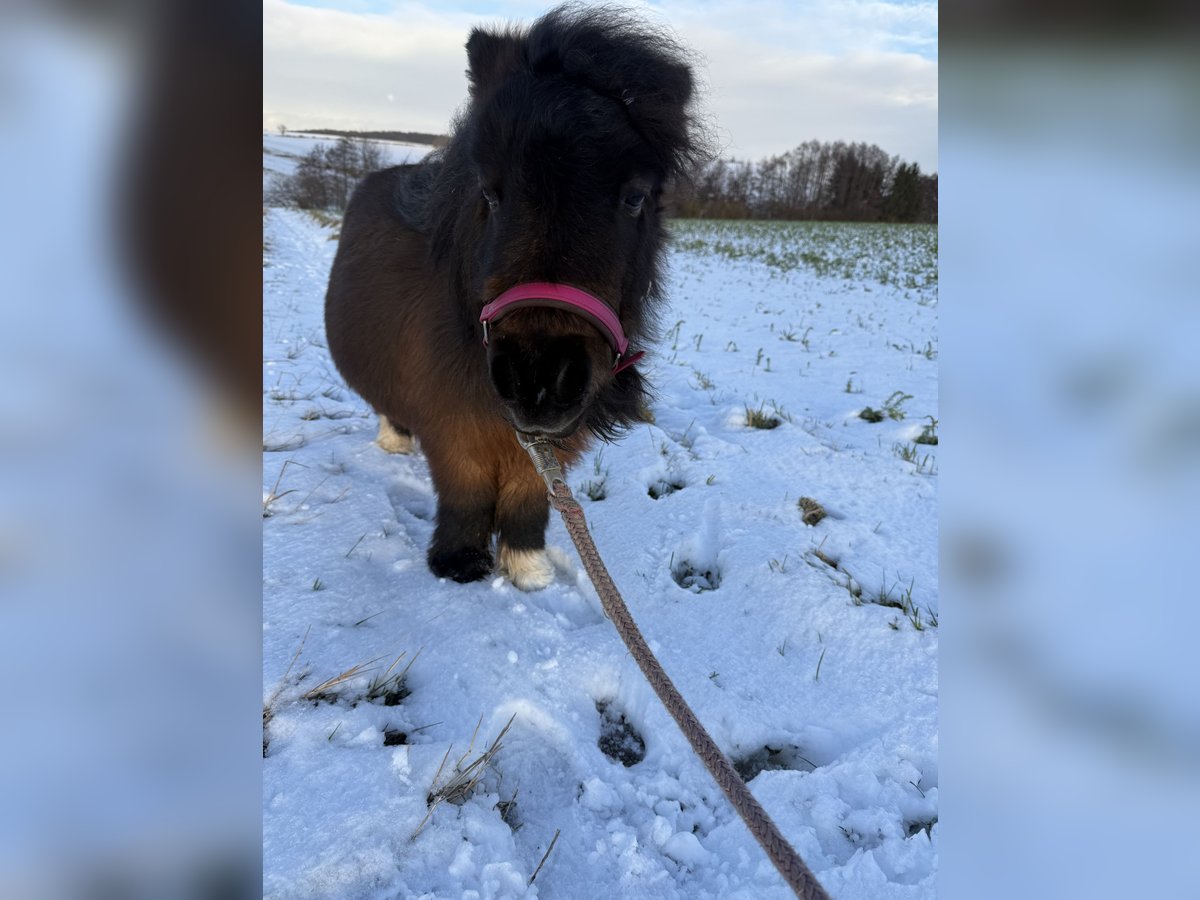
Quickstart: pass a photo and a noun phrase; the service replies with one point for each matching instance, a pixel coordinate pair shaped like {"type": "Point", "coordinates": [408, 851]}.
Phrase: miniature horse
{"type": "Point", "coordinates": [545, 207]}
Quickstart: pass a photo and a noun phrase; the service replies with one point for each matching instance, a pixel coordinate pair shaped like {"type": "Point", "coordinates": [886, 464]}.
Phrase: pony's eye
{"type": "Point", "coordinates": [634, 201]}
{"type": "Point", "coordinates": [490, 199]}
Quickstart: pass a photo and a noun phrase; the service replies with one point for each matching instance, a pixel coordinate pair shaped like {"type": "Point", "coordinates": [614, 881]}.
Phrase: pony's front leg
{"type": "Point", "coordinates": [466, 511]}
{"type": "Point", "coordinates": [522, 513]}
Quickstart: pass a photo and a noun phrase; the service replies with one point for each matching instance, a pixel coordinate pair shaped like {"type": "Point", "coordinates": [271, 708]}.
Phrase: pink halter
{"type": "Point", "coordinates": [572, 299]}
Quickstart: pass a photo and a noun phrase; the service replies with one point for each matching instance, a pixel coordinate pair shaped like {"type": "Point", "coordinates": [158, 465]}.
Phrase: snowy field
{"type": "Point", "coordinates": [281, 152]}
{"type": "Point", "coordinates": [806, 644]}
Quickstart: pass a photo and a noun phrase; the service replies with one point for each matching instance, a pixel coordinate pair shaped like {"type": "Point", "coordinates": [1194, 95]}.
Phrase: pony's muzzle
{"type": "Point", "coordinates": [543, 383]}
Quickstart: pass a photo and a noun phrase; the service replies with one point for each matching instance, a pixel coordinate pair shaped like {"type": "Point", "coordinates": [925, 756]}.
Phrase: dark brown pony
{"type": "Point", "coordinates": [555, 172]}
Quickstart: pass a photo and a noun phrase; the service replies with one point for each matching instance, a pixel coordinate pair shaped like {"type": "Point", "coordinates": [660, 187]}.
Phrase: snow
{"type": "Point", "coordinates": [824, 697]}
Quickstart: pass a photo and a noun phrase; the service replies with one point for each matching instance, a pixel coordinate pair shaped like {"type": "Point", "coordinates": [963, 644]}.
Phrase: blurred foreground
{"type": "Point", "coordinates": [1071, 468]}
{"type": "Point", "coordinates": [129, 635]}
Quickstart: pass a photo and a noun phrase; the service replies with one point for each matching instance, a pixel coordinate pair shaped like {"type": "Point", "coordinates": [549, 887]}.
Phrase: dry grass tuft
{"type": "Point", "coordinates": [269, 706]}
{"type": "Point", "coordinates": [326, 690]}
{"type": "Point", "coordinates": [756, 418]}
{"type": "Point", "coordinates": [813, 512]}
{"type": "Point", "coordinates": [462, 782]}
{"type": "Point", "coordinates": [274, 494]}
{"type": "Point", "coordinates": [389, 688]}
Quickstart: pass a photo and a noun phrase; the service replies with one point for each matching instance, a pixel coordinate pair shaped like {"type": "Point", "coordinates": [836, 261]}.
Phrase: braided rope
{"type": "Point", "coordinates": [780, 852]}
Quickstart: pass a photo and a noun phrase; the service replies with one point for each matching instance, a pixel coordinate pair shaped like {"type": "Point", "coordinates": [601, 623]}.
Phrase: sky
{"type": "Point", "coordinates": [774, 73]}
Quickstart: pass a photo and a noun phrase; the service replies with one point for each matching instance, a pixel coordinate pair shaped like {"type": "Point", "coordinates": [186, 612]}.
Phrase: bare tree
{"type": "Point", "coordinates": [327, 175]}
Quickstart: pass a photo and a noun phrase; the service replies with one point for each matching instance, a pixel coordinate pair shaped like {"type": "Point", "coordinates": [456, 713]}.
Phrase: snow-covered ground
{"type": "Point", "coordinates": [811, 656]}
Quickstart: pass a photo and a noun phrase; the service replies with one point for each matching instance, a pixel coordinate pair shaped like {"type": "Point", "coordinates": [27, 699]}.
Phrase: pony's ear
{"type": "Point", "coordinates": [491, 56]}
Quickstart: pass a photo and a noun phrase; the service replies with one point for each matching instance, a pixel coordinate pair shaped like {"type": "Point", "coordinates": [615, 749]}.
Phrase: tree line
{"type": "Point", "coordinates": [816, 180]}
{"type": "Point", "coordinates": [407, 137]}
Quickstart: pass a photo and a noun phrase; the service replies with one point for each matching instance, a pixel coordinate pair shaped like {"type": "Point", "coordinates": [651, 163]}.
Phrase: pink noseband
{"type": "Point", "coordinates": [572, 299]}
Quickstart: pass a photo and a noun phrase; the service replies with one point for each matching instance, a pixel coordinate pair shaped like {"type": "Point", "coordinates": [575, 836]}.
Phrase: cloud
{"type": "Point", "coordinates": [777, 73]}
{"type": "Point", "coordinates": [766, 105]}
{"type": "Point", "coordinates": [332, 68]}
{"type": "Point", "coordinates": [824, 27]}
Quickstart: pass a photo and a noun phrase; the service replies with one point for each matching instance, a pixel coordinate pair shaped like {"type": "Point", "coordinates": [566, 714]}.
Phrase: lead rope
{"type": "Point", "coordinates": [780, 852]}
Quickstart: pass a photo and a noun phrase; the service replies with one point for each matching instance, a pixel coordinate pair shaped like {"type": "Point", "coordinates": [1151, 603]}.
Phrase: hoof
{"type": "Point", "coordinates": [463, 564]}
{"type": "Point", "coordinates": [393, 440]}
{"type": "Point", "coordinates": [529, 570]}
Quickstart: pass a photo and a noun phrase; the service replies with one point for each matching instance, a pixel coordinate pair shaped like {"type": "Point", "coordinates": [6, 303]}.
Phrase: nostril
{"type": "Point", "coordinates": [504, 376]}
{"type": "Point", "coordinates": [572, 378]}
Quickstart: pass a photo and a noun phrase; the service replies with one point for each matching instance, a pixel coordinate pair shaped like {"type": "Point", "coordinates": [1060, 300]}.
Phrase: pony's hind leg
{"type": "Point", "coordinates": [522, 513]}
{"type": "Point", "coordinates": [393, 438]}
